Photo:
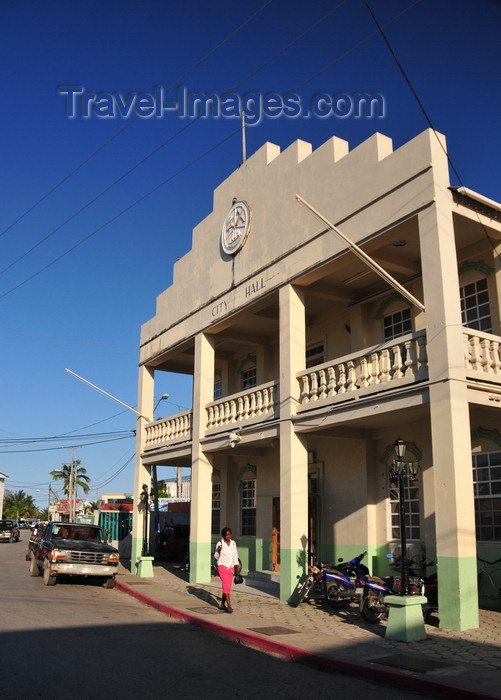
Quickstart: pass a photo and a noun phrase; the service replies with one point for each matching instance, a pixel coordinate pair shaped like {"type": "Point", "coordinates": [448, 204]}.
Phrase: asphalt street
{"type": "Point", "coordinates": [78, 640]}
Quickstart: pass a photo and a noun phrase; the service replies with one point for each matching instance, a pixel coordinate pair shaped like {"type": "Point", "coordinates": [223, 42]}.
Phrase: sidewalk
{"type": "Point", "coordinates": [447, 664]}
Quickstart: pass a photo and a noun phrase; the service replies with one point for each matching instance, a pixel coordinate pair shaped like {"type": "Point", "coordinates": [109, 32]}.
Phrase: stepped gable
{"type": "Point", "coordinates": [347, 186]}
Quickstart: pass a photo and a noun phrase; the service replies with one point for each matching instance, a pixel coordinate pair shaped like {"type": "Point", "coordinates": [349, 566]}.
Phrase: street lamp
{"type": "Point", "coordinates": [145, 498]}
{"type": "Point", "coordinates": [164, 397]}
{"type": "Point", "coordinates": [400, 472]}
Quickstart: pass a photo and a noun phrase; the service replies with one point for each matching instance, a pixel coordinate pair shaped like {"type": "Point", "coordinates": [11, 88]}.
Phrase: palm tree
{"type": "Point", "coordinates": [80, 478]}
{"type": "Point", "coordinates": [18, 504]}
{"type": "Point", "coordinates": [91, 507]}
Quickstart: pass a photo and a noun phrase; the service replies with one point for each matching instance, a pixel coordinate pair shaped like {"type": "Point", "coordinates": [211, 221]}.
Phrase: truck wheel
{"type": "Point", "coordinates": [34, 570]}
{"type": "Point", "coordinates": [48, 578]}
{"type": "Point", "coordinates": [109, 582]}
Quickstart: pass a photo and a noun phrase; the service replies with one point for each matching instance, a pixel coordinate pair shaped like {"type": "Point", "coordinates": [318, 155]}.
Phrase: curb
{"type": "Point", "coordinates": [316, 661]}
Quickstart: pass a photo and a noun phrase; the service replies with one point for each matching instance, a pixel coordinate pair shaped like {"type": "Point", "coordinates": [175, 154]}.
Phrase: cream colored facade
{"type": "Point", "coordinates": [319, 364]}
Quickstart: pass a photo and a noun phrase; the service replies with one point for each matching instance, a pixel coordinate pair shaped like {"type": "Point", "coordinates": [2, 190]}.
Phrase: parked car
{"type": "Point", "coordinates": [72, 549]}
{"type": "Point", "coordinates": [173, 542]}
{"type": "Point", "coordinates": [9, 531]}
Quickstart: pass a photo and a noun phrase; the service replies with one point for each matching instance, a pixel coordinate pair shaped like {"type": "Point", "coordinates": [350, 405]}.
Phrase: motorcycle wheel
{"type": "Point", "coordinates": [303, 592]}
{"type": "Point", "coordinates": [370, 607]}
{"type": "Point", "coordinates": [335, 600]}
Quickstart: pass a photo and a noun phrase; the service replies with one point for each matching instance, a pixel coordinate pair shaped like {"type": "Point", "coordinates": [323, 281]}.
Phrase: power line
{"type": "Point", "coordinates": [121, 213]}
{"type": "Point", "coordinates": [191, 163]}
{"type": "Point", "coordinates": [175, 135]}
{"type": "Point", "coordinates": [426, 115]}
{"type": "Point", "coordinates": [156, 150]}
{"type": "Point", "coordinates": [126, 126]}
{"type": "Point", "coordinates": [49, 449]}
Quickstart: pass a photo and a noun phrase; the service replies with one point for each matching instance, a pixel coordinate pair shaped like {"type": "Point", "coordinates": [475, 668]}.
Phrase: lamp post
{"type": "Point", "coordinates": [400, 472]}
{"type": "Point", "coordinates": [145, 498]}
{"type": "Point", "coordinates": [164, 397]}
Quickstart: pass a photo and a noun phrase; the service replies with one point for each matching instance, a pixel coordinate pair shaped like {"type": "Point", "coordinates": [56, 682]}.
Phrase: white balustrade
{"type": "Point", "coordinates": [168, 431]}
{"type": "Point", "coordinates": [251, 406]}
{"type": "Point", "coordinates": [482, 355]}
{"type": "Point", "coordinates": [400, 361]}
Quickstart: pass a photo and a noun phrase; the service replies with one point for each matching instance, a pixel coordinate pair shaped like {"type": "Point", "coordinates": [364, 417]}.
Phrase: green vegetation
{"type": "Point", "coordinates": [81, 480]}
{"type": "Point", "coordinates": [19, 504]}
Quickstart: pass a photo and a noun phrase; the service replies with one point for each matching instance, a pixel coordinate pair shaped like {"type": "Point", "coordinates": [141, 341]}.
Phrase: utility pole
{"type": "Point", "coordinates": [179, 480]}
{"type": "Point", "coordinates": [72, 487]}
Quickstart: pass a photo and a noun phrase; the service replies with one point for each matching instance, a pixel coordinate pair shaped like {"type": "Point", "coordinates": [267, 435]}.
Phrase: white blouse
{"type": "Point", "coordinates": [228, 555]}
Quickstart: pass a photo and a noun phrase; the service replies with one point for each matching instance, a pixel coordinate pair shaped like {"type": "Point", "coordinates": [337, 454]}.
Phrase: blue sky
{"type": "Point", "coordinates": [82, 259]}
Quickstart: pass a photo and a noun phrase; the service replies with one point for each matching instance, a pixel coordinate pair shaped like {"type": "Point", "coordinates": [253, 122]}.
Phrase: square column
{"type": "Point", "coordinates": [201, 465]}
{"type": "Point", "coordinates": [145, 400]}
{"type": "Point", "coordinates": [449, 416]}
{"type": "Point", "coordinates": [293, 451]}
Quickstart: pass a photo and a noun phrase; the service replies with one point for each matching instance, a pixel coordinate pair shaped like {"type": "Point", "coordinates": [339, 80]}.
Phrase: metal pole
{"type": "Point", "coordinates": [155, 496]}
{"type": "Point", "coordinates": [364, 256]}
{"type": "Point", "coordinates": [179, 482]}
{"type": "Point", "coordinates": [403, 535]}
{"type": "Point", "coordinates": [244, 143]}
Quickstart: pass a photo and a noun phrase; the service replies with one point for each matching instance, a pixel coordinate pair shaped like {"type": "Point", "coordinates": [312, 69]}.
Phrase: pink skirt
{"type": "Point", "coordinates": [226, 575]}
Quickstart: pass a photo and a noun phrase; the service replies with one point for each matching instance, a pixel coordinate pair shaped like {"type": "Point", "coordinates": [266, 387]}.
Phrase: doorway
{"type": "Point", "coordinates": [275, 535]}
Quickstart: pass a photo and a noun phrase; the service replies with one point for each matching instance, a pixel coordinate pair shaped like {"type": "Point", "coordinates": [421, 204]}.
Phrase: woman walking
{"type": "Point", "coordinates": [227, 559]}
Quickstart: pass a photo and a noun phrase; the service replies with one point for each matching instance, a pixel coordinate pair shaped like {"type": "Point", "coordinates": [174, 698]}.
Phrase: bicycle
{"type": "Point", "coordinates": [486, 572]}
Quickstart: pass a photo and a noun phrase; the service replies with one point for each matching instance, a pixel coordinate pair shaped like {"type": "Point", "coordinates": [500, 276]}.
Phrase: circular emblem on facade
{"type": "Point", "coordinates": [236, 228]}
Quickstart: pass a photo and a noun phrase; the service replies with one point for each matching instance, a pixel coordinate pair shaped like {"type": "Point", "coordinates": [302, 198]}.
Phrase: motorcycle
{"type": "Point", "coordinates": [336, 584]}
{"type": "Point", "coordinates": [430, 585]}
{"type": "Point", "coordinates": [373, 607]}
{"type": "Point", "coordinates": [343, 582]}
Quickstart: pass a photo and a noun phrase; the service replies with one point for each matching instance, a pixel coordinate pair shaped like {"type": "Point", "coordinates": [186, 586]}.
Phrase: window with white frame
{"type": "Point", "coordinates": [475, 307]}
{"type": "Point", "coordinates": [249, 378]}
{"type": "Point", "coordinates": [397, 324]}
{"type": "Point", "coordinates": [218, 389]}
{"type": "Point", "coordinates": [487, 490]}
{"type": "Point", "coordinates": [412, 510]}
{"type": "Point", "coordinates": [248, 507]}
{"type": "Point", "coordinates": [216, 508]}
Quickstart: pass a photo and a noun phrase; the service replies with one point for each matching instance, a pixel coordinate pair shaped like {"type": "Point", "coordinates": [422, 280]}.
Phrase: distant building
{"type": "Point", "coordinates": [178, 489]}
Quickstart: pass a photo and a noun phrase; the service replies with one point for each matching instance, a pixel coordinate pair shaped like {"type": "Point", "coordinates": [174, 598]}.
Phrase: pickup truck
{"type": "Point", "coordinates": [72, 549]}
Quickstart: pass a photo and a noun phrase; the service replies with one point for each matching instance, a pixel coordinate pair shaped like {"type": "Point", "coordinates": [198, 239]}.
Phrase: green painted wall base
{"type": "Point", "coordinates": [201, 558]}
{"type": "Point", "coordinates": [136, 549]}
{"type": "Point", "coordinates": [457, 593]}
{"type": "Point", "coordinates": [145, 567]}
{"type": "Point", "coordinates": [293, 571]}
{"type": "Point", "coordinates": [405, 619]}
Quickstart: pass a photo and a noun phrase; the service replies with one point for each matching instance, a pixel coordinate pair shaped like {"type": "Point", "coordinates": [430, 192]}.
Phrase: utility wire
{"type": "Point", "coordinates": [101, 485]}
{"type": "Point", "coordinates": [143, 160]}
{"type": "Point", "coordinates": [426, 115]}
{"type": "Point", "coordinates": [126, 126]}
{"type": "Point", "coordinates": [411, 87]}
{"type": "Point", "coordinates": [172, 137]}
{"type": "Point", "coordinates": [121, 213]}
{"type": "Point", "coordinates": [49, 449]}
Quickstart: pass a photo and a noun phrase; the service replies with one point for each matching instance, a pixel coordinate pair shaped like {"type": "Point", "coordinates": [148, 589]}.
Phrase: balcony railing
{"type": "Point", "coordinates": [254, 405]}
{"type": "Point", "coordinates": [482, 355]}
{"type": "Point", "coordinates": [400, 361]}
{"type": "Point", "coordinates": [169, 430]}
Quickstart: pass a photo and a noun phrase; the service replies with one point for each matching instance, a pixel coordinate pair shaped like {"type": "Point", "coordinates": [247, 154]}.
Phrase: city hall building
{"type": "Point", "coordinates": [333, 301]}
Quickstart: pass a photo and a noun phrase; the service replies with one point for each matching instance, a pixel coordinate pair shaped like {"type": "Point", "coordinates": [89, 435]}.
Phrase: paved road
{"type": "Point", "coordinates": [77, 640]}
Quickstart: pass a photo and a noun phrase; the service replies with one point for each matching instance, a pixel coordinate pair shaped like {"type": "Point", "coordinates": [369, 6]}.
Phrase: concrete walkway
{"type": "Point", "coordinates": [447, 664]}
